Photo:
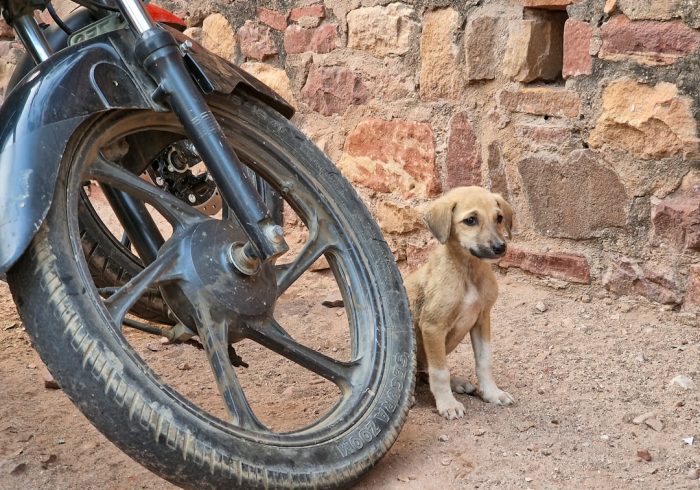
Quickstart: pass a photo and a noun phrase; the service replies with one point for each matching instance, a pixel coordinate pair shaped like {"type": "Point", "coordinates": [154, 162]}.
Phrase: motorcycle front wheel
{"type": "Point", "coordinates": [77, 326]}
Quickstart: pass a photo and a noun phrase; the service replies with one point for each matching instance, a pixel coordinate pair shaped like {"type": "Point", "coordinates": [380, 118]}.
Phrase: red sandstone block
{"type": "Point", "coordinates": [463, 165]}
{"type": "Point", "coordinates": [272, 18]}
{"type": "Point", "coordinates": [647, 42]}
{"type": "Point", "coordinates": [318, 11]}
{"type": "Point", "coordinates": [322, 39]}
{"type": "Point", "coordinates": [692, 293]}
{"type": "Point", "coordinates": [562, 265]}
{"type": "Point", "coordinates": [577, 40]}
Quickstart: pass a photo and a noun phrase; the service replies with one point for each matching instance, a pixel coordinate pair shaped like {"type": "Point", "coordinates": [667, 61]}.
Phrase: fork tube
{"type": "Point", "coordinates": [162, 59]}
{"type": "Point", "coordinates": [32, 37]}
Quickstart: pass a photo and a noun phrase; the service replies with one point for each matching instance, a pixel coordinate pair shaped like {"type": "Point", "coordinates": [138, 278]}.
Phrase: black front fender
{"type": "Point", "coordinates": [43, 111]}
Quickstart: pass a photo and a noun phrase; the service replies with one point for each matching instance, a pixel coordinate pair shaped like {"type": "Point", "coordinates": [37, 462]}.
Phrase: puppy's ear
{"type": "Point", "coordinates": [438, 217]}
{"type": "Point", "coordinates": [507, 213]}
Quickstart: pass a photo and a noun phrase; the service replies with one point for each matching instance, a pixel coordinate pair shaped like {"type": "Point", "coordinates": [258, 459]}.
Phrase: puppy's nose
{"type": "Point", "coordinates": [498, 248]}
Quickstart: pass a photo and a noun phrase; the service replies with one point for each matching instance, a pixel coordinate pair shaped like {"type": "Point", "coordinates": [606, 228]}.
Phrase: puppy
{"type": "Point", "coordinates": [453, 292]}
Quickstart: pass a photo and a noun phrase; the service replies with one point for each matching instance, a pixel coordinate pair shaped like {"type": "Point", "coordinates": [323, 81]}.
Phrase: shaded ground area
{"type": "Point", "coordinates": [580, 372]}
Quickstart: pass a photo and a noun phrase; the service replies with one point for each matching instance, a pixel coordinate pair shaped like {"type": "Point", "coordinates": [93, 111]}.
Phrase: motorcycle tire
{"type": "Point", "coordinates": [87, 353]}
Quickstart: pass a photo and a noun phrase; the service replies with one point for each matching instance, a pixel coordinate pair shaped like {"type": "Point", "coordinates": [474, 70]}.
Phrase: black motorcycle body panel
{"type": "Point", "coordinates": [41, 113]}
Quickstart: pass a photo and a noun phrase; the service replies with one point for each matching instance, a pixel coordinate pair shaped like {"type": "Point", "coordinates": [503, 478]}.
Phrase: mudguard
{"type": "Point", "coordinates": [44, 109]}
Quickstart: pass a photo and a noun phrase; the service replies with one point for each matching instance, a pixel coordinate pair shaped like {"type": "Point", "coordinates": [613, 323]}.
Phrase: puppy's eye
{"type": "Point", "coordinates": [471, 221]}
{"type": "Point", "coordinates": [499, 219]}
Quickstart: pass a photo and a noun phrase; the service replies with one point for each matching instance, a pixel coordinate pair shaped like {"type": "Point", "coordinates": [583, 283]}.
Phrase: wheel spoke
{"type": "Point", "coordinates": [319, 242]}
{"type": "Point", "coordinates": [119, 303]}
{"type": "Point", "coordinates": [175, 211]}
{"type": "Point", "coordinates": [214, 336]}
{"type": "Point", "coordinates": [270, 334]}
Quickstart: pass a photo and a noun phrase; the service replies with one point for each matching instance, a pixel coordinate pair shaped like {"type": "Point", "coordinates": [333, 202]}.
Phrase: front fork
{"type": "Point", "coordinates": [162, 59]}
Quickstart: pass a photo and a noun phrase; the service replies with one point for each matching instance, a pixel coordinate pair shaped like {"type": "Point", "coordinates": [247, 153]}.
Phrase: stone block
{"type": "Point", "coordinates": [463, 164]}
{"type": "Point", "coordinates": [255, 41]}
{"type": "Point", "coordinates": [548, 4]}
{"type": "Point", "coordinates": [440, 77]}
{"type": "Point", "coordinates": [332, 89]}
{"type": "Point", "coordinates": [561, 265]}
{"type": "Point", "coordinates": [392, 157]}
{"type": "Point", "coordinates": [272, 18]}
{"type": "Point", "coordinates": [275, 78]}
{"type": "Point", "coordinates": [535, 48]}
{"type": "Point", "coordinates": [566, 198]}
{"type": "Point", "coordinates": [318, 11]}
{"type": "Point", "coordinates": [396, 218]}
{"type": "Point", "coordinates": [652, 9]}
{"type": "Point", "coordinates": [647, 42]}
{"type": "Point", "coordinates": [691, 301]}
{"type": "Point", "coordinates": [323, 39]}
{"type": "Point", "coordinates": [537, 137]}
{"type": "Point", "coordinates": [481, 48]}
{"type": "Point", "coordinates": [577, 43]}
{"type": "Point", "coordinates": [626, 276]}
{"type": "Point", "coordinates": [676, 218]}
{"type": "Point", "coordinates": [646, 121]}
{"type": "Point", "coordinates": [218, 36]}
{"type": "Point", "coordinates": [542, 101]}
{"type": "Point", "coordinates": [381, 30]}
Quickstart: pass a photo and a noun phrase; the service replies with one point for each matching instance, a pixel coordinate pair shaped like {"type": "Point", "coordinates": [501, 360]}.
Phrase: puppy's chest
{"type": "Point", "coordinates": [467, 310]}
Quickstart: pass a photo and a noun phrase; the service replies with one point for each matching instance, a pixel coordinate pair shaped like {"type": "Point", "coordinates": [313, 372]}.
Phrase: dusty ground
{"type": "Point", "coordinates": [579, 371]}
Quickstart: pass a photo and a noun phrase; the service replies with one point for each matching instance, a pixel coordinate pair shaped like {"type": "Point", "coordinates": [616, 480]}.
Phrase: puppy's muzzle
{"type": "Point", "coordinates": [495, 251]}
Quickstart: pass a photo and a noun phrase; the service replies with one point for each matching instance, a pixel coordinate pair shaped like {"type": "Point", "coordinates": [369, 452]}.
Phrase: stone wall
{"type": "Point", "coordinates": [583, 114]}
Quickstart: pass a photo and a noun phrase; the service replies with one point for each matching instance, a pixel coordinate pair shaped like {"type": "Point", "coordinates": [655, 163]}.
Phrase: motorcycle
{"type": "Point", "coordinates": [116, 96]}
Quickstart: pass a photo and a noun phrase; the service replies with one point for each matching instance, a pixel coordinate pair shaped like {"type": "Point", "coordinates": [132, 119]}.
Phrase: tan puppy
{"type": "Point", "coordinates": [453, 292]}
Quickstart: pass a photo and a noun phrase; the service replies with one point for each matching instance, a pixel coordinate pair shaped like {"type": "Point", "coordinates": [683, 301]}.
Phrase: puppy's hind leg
{"type": "Point", "coordinates": [481, 343]}
{"type": "Point", "coordinates": [438, 374]}
{"type": "Point", "coordinates": [461, 385]}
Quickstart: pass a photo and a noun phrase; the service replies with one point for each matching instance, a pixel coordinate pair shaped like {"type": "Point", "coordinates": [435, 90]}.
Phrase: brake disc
{"type": "Point", "coordinates": [179, 170]}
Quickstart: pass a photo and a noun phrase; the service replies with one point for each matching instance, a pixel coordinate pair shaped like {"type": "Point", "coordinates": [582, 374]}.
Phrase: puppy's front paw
{"type": "Point", "coordinates": [450, 408]}
{"type": "Point", "coordinates": [461, 385]}
{"type": "Point", "coordinates": [498, 397]}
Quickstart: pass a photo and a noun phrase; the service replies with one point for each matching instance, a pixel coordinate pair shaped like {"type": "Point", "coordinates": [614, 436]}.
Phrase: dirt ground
{"type": "Point", "coordinates": [580, 372]}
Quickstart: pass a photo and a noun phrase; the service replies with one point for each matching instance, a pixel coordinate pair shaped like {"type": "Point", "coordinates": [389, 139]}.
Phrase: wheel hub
{"type": "Point", "coordinates": [209, 280]}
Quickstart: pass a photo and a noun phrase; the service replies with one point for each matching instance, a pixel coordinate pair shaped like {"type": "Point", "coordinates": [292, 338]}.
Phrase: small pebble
{"type": "Point", "coordinates": [49, 382]}
{"type": "Point", "coordinates": [683, 381]}
{"type": "Point", "coordinates": [608, 301]}
{"type": "Point", "coordinates": [541, 307]}
{"type": "Point", "coordinates": [446, 462]}
{"type": "Point", "coordinates": [640, 419]}
{"type": "Point", "coordinates": [31, 366]}
{"type": "Point", "coordinates": [528, 479]}
{"type": "Point", "coordinates": [60, 441]}
{"type": "Point", "coordinates": [47, 459]}
{"type": "Point", "coordinates": [546, 452]}
{"type": "Point", "coordinates": [585, 298]}
{"type": "Point", "coordinates": [185, 366]}
{"type": "Point", "coordinates": [693, 474]}
{"type": "Point", "coordinates": [479, 432]}
{"type": "Point", "coordinates": [153, 347]}
{"type": "Point", "coordinates": [443, 438]}
{"type": "Point", "coordinates": [20, 468]}
{"type": "Point", "coordinates": [655, 424]}
{"type": "Point", "coordinates": [625, 307]}
{"type": "Point", "coordinates": [644, 455]}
